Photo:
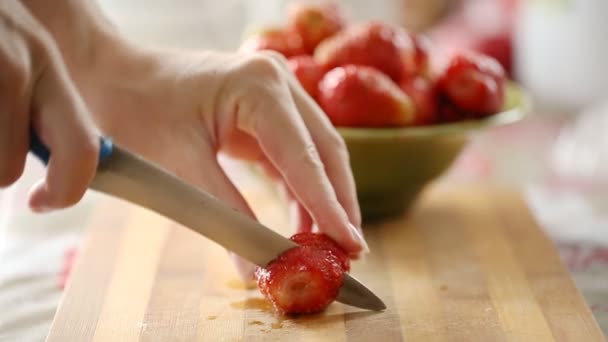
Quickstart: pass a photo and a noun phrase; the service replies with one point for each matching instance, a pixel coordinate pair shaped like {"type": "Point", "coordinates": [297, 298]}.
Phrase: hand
{"type": "Point", "coordinates": [36, 91]}
{"type": "Point", "coordinates": [181, 109]}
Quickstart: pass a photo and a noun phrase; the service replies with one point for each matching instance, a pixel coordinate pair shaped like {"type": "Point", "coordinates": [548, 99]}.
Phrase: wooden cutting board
{"type": "Point", "coordinates": [465, 265]}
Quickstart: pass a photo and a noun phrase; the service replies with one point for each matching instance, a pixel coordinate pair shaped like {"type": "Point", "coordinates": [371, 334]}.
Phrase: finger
{"type": "Point", "coordinates": [302, 217]}
{"type": "Point", "coordinates": [13, 144]}
{"type": "Point", "coordinates": [274, 121]}
{"type": "Point", "coordinates": [15, 94]}
{"type": "Point", "coordinates": [331, 147]}
{"type": "Point", "coordinates": [14, 119]}
{"type": "Point", "coordinates": [63, 123]}
{"type": "Point", "coordinates": [333, 152]}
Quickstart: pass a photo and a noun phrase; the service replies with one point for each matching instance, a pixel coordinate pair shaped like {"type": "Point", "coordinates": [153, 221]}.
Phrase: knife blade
{"type": "Point", "coordinates": [127, 176]}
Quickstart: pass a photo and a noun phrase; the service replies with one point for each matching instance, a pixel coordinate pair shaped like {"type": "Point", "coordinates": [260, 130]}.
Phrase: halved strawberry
{"type": "Point", "coordinates": [323, 242]}
{"type": "Point", "coordinates": [301, 280]}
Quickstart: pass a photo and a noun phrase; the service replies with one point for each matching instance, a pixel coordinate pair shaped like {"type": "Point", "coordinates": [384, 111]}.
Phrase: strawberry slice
{"type": "Point", "coordinates": [323, 242]}
{"type": "Point", "coordinates": [302, 280]}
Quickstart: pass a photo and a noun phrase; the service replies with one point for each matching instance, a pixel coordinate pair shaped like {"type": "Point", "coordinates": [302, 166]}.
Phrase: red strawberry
{"type": "Point", "coordinates": [474, 83]}
{"type": "Point", "coordinates": [387, 48]}
{"type": "Point", "coordinates": [360, 96]}
{"type": "Point", "coordinates": [323, 242]}
{"type": "Point", "coordinates": [423, 94]}
{"type": "Point", "coordinates": [422, 50]}
{"type": "Point", "coordinates": [308, 72]}
{"type": "Point", "coordinates": [277, 39]}
{"type": "Point", "coordinates": [447, 112]}
{"type": "Point", "coordinates": [315, 22]}
{"type": "Point", "coordinates": [301, 280]}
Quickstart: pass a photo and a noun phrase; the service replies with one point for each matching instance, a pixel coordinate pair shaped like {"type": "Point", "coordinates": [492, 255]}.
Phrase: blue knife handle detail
{"type": "Point", "coordinates": [43, 153]}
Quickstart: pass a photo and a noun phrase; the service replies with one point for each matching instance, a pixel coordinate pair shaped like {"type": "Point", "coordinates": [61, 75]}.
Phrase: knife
{"type": "Point", "coordinates": [127, 176]}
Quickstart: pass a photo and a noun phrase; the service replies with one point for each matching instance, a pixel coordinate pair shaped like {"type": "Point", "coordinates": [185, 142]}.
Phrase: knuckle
{"type": "Point", "coordinates": [336, 140]}
{"type": "Point", "coordinates": [265, 66]}
{"type": "Point", "coordinates": [40, 42]}
{"type": "Point", "coordinates": [20, 77]}
{"type": "Point", "coordinates": [86, 152]}
{"type": "Point", "coordinates": [16, 67]}
{"type": "Point", "coordinates": [43, 51]}
{"type": "Point", "coordinates": [338, 145]}
{"type": "Point", "coordinates": [275, 56]}
{"type": "Point", "coordinates": [310, 157]}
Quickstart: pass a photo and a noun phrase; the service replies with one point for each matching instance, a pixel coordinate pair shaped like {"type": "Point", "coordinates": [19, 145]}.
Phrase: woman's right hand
{"type": "Point", "coordinates": [36, 91]}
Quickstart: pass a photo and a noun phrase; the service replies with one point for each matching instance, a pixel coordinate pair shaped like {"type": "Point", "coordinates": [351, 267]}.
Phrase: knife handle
{"type": "Point", "coordinates": [38, 148]}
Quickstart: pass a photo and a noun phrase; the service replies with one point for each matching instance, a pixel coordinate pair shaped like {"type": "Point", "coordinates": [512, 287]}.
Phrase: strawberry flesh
{"type": "Point", "coordinates": [323, 242]}
{"type": "Point", "coordinates": [303, 279]}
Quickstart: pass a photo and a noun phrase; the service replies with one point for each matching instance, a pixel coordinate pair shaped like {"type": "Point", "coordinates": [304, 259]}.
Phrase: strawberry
{"type": "Point", "coordinates": [323, 242]}
{"type": "Point", "coordinates": [277, 39]}
{"type": "Point", "coordinates": [301, 280]}
{"type": "Point", "coordinates": [447, 112]}
{"type": "Point", "coordinates": [423, 94]}
{"type": "Point", "coordinates": [474, 83]}
{"type": "Point", "coordinates": [315, 22]}
{"type": "Point", "coordinates": [422, 50]}
{"type": "Point", "coordinates": [387, 48]}
{"type": "Point", "coordinates": [308, 72]}
{"type": "Point", "coordinates": [359, 96]}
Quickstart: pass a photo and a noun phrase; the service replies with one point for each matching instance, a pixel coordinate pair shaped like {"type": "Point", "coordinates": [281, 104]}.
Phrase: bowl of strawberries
{"type": "Point", "coordinates": [403, 118]}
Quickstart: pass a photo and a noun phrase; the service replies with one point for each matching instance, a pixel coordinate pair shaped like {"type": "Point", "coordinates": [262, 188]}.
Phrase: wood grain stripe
{"type": "Point", "coordinates": [126, 301]}
{"type": "Point", "coordinates": [222, 295]}
{"type": "Point", "coordinates": [548, 278]}
{"type": "Point", "coordinates": [89, 281]}
{"type": "Point", "coordinates": [519, 313]}
{"type": "Point", "coordinates": [457, 276]}
{"type": "Point", "coordinates": [364, 325]}
{"type": "Point", "coordinates": [416, 298]}
{"type": "Point", "coordinates": [172, 302]}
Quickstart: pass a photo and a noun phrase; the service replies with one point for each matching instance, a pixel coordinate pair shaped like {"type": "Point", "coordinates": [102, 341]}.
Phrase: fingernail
{"type": "Point", "coordinates": [357, 235]}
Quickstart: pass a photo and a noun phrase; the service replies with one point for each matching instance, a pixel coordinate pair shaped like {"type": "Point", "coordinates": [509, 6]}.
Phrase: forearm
{"type": "Point", "coordinates": [95, 54]}
{"type": "Point", "coordinates": [79, 28]}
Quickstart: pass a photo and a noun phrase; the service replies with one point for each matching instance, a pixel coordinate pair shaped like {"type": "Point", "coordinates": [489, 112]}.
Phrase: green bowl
{"type": "Point", "coordinates": [393, 165]}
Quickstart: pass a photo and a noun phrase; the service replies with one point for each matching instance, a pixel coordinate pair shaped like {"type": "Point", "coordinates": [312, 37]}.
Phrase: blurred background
{"type": "Point", "coordinates": [558, 156]}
